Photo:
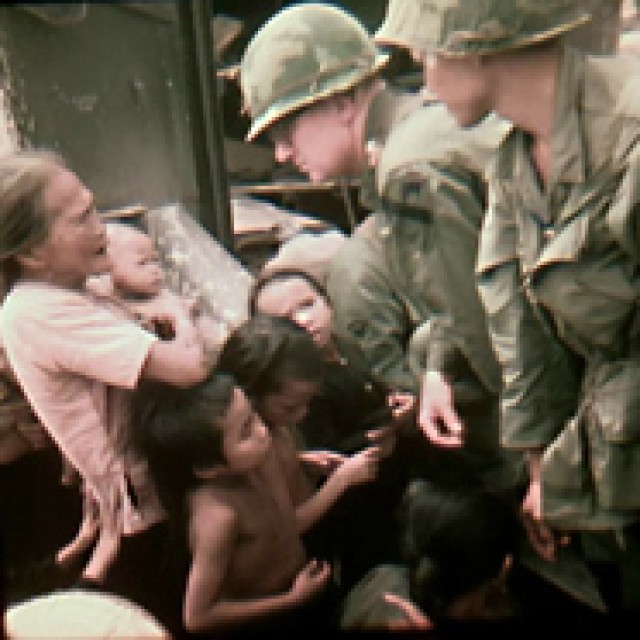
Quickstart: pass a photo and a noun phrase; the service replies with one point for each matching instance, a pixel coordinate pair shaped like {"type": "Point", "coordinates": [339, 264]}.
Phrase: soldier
{"type": "Point", "coordinates": [558, 260]}
{"type": "Point", "coordinates": [310, 77]}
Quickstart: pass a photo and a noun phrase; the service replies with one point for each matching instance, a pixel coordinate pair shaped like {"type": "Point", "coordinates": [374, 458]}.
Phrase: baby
{"type": "Point", "coordinates": [137, 282]}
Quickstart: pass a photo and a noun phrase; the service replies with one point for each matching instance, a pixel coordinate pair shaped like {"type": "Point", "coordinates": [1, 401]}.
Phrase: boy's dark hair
{"type": "Point", "coordinates": [175, 430]}
{"type": "Point", "coordinates": [276, 275]}
{"type": "Point", "coordinates": [266, 350]}
{"type": "Point", "coordinates": [454, 539]}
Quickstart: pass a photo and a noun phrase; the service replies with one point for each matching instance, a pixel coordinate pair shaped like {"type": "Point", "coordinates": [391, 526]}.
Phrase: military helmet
{"type": "Point", "coordinates": [462, 27]}
{"type": "Point", "coordinates": [302, 54]}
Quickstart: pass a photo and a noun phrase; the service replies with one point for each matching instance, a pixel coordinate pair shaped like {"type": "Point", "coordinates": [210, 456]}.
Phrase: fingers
{"type": "Point", "coordinates": [441, 433]}
{"type": "Point", "coordinates": [541, 537]}
{"type": "Point", "coordinates": [415, 618]}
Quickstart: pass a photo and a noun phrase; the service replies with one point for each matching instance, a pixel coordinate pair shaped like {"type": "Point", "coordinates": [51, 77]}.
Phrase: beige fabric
{"type": "Point", "coordinates": [81, 614]}
{"type": "Point", "coordinates": [309, 252]}
{"type": "Point", "coordinates": [77, 368]}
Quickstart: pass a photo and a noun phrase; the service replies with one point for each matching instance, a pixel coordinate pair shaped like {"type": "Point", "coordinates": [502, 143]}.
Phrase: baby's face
{"type": "Point", "coordinates": [136, 268]}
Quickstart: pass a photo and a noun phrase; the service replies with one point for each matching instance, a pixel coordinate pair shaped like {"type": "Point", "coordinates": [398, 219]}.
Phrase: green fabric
{"type": "Point", "coordinates": [381, 288]}
{"type": "Point", "coordinates": [430, 165]}
{"type": "Point", "coordinates": [559, 278]}
{"type": "Point", "coordinates": [364, 607]}
{"type": "Point", "coordinates": [459, 27]}
{"type": "Point", "coordinates": [413, 260]}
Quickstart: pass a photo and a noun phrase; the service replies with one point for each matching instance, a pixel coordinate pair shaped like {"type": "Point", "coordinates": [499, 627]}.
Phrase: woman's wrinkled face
{"type": "Point", "coordinates": [296, 299]}
{"type": "Point", "coordinates": [288, 406]}
{"type": "Point", "coordinates": [75, 247]}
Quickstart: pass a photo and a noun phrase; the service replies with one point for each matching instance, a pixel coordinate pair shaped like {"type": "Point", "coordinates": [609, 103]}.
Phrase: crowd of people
{"type": "Point", "coordinates": [440, 428]}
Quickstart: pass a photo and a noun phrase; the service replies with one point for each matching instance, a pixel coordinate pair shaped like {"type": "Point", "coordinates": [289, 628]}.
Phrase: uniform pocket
{"type": "Point", "coordinates": [616, 400]}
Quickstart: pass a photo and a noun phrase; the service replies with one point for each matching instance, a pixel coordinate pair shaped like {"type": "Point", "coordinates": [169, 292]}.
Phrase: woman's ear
{"type": "Point", "coordinates": [345, 107]}
{"type": "Point", "coordinates": [31, 260]}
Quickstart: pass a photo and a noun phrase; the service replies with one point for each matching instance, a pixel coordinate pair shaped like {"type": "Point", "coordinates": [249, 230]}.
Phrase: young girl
{"type": "Point", "coordinates": [83, 356]}
{"type": "Point", "coordinates": [212, 457]}
{"type": "Point", "coordinates": [351, 400]}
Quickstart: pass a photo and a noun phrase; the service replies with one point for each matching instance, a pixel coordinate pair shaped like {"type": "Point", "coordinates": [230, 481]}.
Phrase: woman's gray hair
{"type": "Point", "coordinates": [24, 175]}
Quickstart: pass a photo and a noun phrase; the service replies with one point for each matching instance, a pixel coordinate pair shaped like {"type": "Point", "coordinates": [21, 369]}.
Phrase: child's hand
{"type": "Point", "coordinates": [361, 467]}
{"type": "Point", "coordinates": [402, 406]}
{"type": "Point", "coordinates": [321, 463]}
{"type": "Point", "coordinates": [384, 438]}
{"type": "Point", "coordinates": [311, 581]}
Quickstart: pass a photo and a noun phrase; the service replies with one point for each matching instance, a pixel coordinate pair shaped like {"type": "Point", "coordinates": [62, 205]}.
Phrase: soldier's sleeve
{"type": "Point", "coordinates": [539, 380]}
{"type": "Point", "coordinates": [459, 204]}
{"type": "Point", "coordinates": [367, 308]}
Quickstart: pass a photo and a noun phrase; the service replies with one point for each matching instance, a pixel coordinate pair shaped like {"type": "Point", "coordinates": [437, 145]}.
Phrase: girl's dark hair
{"type": "Point", "coordinates": [277, 275]}
{"type": "Point", "coordinates": [175, 430]}
{"type": "Point", "coordinates": [454, 539]}
{"type": "Point", "coordinates": [266, 350]}
{"type": "Point", "coordinates": [24, 224]}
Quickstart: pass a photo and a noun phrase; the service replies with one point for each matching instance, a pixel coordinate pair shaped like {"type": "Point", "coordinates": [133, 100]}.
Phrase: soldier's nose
{"type": "Point", "coordinates": [283, 152]}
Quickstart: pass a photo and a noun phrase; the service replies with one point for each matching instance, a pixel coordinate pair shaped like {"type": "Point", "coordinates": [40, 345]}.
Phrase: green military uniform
{"type": "Point", "coordinates": [370, 272]}
{"type": "Point", "coordinates": [400, 267]}
{"type": "Point", "coordinates": [412, 264]}
{"type": "Point", "coordinates": [560, 271]}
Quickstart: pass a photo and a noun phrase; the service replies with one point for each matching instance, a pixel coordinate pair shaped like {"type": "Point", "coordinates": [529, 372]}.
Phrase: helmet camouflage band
{"type": "Point", "coordinates": [303, 54]}
{"type": "Point", "coordinates": [462, 27]}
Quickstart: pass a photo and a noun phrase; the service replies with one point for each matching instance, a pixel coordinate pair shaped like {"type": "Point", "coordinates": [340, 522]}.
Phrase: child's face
{"type": "Point", "coordinates": [246, 438]}
{"type": "Point", "coordinates": [288, 406]}
{"type": "Point", "coordinates": [135, 265]}
{"type": "Point", "coordinates": [297, 300]}
{"type": "Point", "coordinates": [75, 247]}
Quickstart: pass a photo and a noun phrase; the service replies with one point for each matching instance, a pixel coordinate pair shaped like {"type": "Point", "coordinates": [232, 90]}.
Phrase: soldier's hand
{"type": "Point", "coordinates": [437, 417]}
{"type": "Point", "coordinates": [541, 536]}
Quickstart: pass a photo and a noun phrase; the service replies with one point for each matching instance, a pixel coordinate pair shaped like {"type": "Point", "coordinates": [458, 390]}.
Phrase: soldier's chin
{"type": "Point", "coordinates": [316, 177]}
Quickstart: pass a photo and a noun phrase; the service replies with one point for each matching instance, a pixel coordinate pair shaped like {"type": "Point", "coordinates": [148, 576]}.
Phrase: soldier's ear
{"type": "Point", "coordinates": [345, 107]}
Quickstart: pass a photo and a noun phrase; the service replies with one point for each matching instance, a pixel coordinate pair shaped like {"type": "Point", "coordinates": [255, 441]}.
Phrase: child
{"type": "Point", "coordinates": [351, 400]}
{"type": "Point", "coordinates": [83, 356]}
{"type": "Point", "coordinates": [137, 280]}
{"type": "Point", "coordinates": [457, 542]}
{"type": "Point", "coordinates": [212, 457]}
{"type": "Point", "coordinates": [280, 369]}
{"type": "Point", "coordinates": [353, 407]}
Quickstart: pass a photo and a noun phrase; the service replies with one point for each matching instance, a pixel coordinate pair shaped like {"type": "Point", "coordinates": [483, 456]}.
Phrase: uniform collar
{"type": "Point", "coordinates": [568, 142]}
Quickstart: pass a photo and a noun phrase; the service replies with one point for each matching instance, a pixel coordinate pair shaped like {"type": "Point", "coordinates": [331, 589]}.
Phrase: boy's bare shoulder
{"type": "Point", "coordinates": [212, 507]}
